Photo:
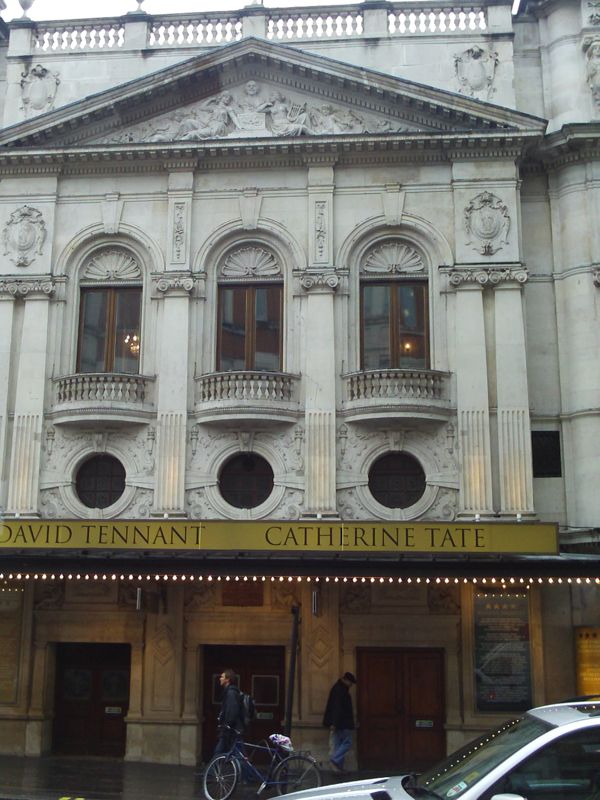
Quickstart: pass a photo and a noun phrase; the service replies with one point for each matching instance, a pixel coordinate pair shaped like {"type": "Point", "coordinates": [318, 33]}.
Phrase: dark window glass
{"type": "Point", "coordinates": [397, 480]}
{"type": "Point", "coordinates": [109, 330]}
{"type": "Point", "coordinates": [394, 326]}
{"type": "Point", "coordinates": [545, 450]}
{"type": "Point", "coordinates": [249, 328]}
{"type": "Point", "coordinates": [246, 480]}
{"type": "Point", "coordinates": [568, 768]}
{"type": "Point", "coordinates": [100, 481]}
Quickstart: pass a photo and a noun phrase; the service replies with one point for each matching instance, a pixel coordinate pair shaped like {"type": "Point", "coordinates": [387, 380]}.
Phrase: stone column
{"type": "Point", "coordinates": [23, 486]}
{"type": "Point", "coordinates": [6, 323]}
{"type": "Point", "coordinates": [472, 397]}
{"type": "Point", "coordinates": [172, 400]}
{"type": "Point", "coordinates": [514, 430]}
{"type": "Point", "coordinates": [320, 282]}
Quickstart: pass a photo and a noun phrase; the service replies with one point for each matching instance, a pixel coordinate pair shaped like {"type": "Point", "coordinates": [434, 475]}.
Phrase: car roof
{"type": "Point", "coordinates": [575, 710]}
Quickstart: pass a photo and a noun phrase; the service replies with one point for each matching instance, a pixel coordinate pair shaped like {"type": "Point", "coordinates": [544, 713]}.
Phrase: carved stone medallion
{"type": "Point", "coordinates": [24, 236]}
{"type": "Point", "coordinates": [475, 72]}
{"type": "Point", "coordinates": [38, 90]}
{"type": "Point", "coordinates": [487, 223]}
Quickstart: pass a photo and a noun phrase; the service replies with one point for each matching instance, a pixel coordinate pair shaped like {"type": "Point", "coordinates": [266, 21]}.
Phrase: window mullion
{"type": "Point", "coordinates": [250, 326]}
{"type": "Point", "coordinates": [394, 322]}
{"type": "Point", "coordinates": [111, 322]}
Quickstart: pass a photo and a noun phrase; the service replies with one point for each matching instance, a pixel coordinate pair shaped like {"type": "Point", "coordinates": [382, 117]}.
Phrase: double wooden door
{"type": "Point", "coordinates": [400, 708]}
{"type": "Point", "coordinates": [91, 699]}
{"type": "Point", "coordinates": [261, 673]}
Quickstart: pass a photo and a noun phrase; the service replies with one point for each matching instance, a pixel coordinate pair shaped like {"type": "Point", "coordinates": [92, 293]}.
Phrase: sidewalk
{"type": "Point", "coordinates": [72, 778]}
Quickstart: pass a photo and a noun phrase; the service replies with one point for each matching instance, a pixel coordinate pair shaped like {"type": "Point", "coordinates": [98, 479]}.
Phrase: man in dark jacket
{"type": "Point", "coordinates": [339, 718]}
{"type": "Point", "coordinates": [230, 720]}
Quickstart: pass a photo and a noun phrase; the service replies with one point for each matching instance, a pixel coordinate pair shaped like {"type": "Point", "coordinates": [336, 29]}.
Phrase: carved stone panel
{"type": "Point", "coordinates": [487, 223]}
{"type": "Point", "coordinates": [591, 48]}
{"type": "Point", "coordinates": [475, 71]}
{"type": "Point", "coordinates": [38, 90]}
{"type": "Point", "coordinates": [24, 236]}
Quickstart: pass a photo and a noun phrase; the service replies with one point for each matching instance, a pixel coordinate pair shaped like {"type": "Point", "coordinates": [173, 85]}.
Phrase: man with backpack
{"type": "Point", "coordinates": [231, 723]}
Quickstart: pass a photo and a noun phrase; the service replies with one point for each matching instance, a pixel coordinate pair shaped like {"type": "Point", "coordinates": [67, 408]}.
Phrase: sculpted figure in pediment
{"type": "Point", "coordinates": [250, 112]}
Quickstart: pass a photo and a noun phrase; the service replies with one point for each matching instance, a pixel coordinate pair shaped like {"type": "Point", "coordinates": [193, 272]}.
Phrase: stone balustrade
{"type": "Point", "coordinates": [387, 394]}
{"type": "Point", "coordinates": [98, 389]}
{"type": "Point", "coordinates": [247, 386]}
{"type": "Point", "coordinates": [295, 24]}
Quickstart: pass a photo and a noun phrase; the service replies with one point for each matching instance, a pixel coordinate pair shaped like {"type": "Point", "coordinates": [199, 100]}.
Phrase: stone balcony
{"type": "Point", "coordinates": [385, 396]}
{"type": "Point", "coordinates": [88, 398]}
{"type": "Point", "coordinates": [236, 398]}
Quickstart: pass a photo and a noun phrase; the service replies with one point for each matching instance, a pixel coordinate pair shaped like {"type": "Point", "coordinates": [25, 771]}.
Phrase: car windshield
{"type": "Point", "coordinates": [453, 776]}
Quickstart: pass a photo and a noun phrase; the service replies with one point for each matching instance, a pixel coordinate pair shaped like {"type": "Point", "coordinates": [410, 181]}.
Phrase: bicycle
{"type": "Point", "coordinates": [286, 772]}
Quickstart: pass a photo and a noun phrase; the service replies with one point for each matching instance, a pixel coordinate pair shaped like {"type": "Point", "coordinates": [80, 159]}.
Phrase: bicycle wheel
{"type": "Point", "coordinates": [220, 777]}
{"type": "Point", "coordinates": [296, 773]}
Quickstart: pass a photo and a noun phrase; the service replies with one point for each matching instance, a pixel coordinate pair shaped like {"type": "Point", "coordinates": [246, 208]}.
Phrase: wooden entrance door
{"type": "Point", "coordinates": [400, 705]}
{"type": "Point", "coordinates": [261, 672]}
{"type": "Point", "coordinates": [91, 699]}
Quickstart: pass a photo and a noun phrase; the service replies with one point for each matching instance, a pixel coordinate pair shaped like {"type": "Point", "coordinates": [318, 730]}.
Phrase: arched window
{"type": "Point", "coordinates": [250, 311]}
{"type": "Point", "coordinates": [394, 308]}
{"type": "Point", "coordinates": [110, 313]}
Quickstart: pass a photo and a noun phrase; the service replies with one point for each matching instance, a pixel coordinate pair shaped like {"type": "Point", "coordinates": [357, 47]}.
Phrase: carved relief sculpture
{"type": "Point", "coordinates": [252, 112]}
{"type": "Point", "coordinates": [24, 236]}
{"type": "Point", "coordinates": [594, 16]}
{"type": "Point", "coordinates": [591, 48]}
{"type": "Point", "coordinates": [392, 258]}
{"type": "Point", "coordinates": [38, 90]}
{"type": "Point", "coordinates": [250, 261]}
{"type": "Point", "coordinates": [475, 72]}
{"type": "Point", "coordinates": [487, 223]}
{"type": "Point", "coordinates": [111, 264]}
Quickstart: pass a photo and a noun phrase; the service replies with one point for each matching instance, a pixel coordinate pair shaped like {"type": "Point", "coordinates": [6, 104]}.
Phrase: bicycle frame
{"type": "Point", "coordinates": [249, 770]}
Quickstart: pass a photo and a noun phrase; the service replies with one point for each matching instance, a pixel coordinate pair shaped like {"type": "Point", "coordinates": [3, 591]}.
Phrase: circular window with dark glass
{"type": "Point", "coordinates": [397, 480]}
{"type": "Point", "coordinates": [246, 480]}
{"type": "Point", "coordinates": [100, 481]}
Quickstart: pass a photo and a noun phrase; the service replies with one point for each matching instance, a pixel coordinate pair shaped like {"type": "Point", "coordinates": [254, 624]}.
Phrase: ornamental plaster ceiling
{"type": "Point", "coordinates": [257, 90]}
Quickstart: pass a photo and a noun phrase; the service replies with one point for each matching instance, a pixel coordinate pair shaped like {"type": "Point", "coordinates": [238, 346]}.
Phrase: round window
{"type": "Point", "coordinates": [246, 480]}
{"type": "Point", "coordinates": [100, 481]}
{"type": "Point", "coordinates": [397, 480]}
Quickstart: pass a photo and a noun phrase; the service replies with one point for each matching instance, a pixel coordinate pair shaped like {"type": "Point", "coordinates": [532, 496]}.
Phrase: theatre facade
{"type": "Point", "coordinates": [298, 374]}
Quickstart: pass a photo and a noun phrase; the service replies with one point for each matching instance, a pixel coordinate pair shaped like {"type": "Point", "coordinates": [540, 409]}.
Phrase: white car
{"type": "Point", "coordinates": [550, 753]}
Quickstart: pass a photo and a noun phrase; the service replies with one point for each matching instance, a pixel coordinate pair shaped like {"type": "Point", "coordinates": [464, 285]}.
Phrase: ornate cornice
{"type": "Point", "coordinates": [27, 288]}
{"type": "Point", "coordinates": [487, 276]}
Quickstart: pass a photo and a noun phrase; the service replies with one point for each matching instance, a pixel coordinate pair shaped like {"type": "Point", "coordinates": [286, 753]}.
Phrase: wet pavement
{"type": "Point", "coordinates": [84, 778]}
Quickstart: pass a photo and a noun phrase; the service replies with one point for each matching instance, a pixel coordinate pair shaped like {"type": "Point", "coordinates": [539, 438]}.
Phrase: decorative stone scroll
{"type": "Point", "coordinates": [254, 110]}
{"type": "Point", "coordinates": [24, 236]}
{"type": "Point", "coordinates": [596, 277]}
{"type": "Point", "coordinates": [38, 90]}
{"type": "Point", "coordinates": [475, 72]}
{"type": "Point", "coordinates": [112, 264]}
{"type": "Point", "coordinates": [487, 223]}
{"type": "Point", "coordinates": [250, 261]}
{"type": "Point", "coordinates": [320, 281]}
{"type": "Point", "coordinates": [175, 283]}
{"type": "Point", "coordinates": [392, 258]}
{"type": "Point", "coordinates": [487, 277]}
{"type": "Point", "coordinates": [591, 48]}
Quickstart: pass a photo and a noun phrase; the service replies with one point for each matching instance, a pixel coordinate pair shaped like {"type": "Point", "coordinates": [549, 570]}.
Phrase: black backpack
{"type": "Point", "coordinates": [247, 708]}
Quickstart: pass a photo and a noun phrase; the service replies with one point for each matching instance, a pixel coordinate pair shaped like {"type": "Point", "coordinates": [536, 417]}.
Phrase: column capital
{"type": "Point", "coordinates": [177, 283]}
{"type": "Point", "coordinates": [501, 276]}
{"type": "Point", "coordinates": [320, 281]}
{"type": "Point", "coordinates": [28, 288]}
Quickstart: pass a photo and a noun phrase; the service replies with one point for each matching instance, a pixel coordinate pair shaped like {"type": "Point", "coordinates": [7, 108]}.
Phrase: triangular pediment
{"type": "Point", "coordinates": [254, 89]}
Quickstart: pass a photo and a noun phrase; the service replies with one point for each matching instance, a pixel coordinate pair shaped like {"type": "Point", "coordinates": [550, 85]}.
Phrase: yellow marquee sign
{"type": "Point", "coordinates": [281, 536]}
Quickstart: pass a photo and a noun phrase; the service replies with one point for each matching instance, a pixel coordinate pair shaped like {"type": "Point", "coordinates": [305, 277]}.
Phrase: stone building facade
{"type": "Point", "coordinates": [297, 314]}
